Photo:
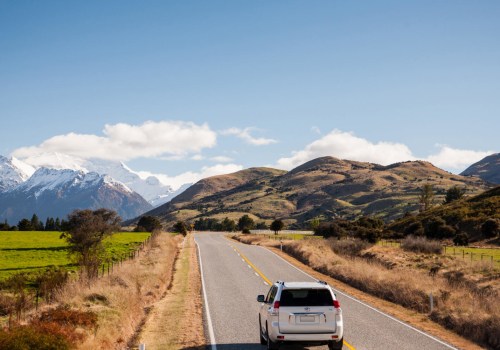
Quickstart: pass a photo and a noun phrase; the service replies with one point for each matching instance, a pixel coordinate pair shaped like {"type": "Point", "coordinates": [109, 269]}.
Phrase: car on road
{"type": "Point", "coordinates": [305, 313]}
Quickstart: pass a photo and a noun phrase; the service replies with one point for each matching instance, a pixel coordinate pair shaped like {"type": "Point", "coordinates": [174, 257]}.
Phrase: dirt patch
{"type": "Point", "coordinates": [176, 321]}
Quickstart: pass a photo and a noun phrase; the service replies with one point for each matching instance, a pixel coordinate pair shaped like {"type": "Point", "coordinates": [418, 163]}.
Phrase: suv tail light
{"type": "Point", "coordinates": [336, 304]}
{"type": "Point", "coordinates": [276, 305]}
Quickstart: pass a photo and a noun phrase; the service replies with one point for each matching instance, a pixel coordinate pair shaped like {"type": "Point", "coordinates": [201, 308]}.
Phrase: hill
{"type": "Point", "coordinates": [487, 169]}
{"type": "Point", "coordinates": [466, 215]}
{"type": "Point", "coordinates": [326, 186]}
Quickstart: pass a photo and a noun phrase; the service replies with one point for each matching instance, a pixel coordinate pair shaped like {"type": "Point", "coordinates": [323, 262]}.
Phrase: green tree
{"type": "Point", "coordinates": [490, 228]}
{"type": "Point", "coordinates": [85, 232]}
{"type": "Point", "coordinates": [180, 227]}
{"type": "Point", "coordinates": [246, 223]}
{"type": "Point", "coordinates": [148, 223]}
{"type": "Point", "coordinates": [276, 226]}
{"type": "Point", "coordinates": [314, 223]}
{"type": "Point", "coordinates": [24, 225]}
{"type": "Point", "coordinates": [36, 224]}
{"type": "Point", "coordinates": [228, 225]}
{"type": "Point", "coordinates": [261, 226]}
{"type": "Point", "coordinates": [454, 193]}
{"type": "Point", "coordinates": [426, 197]}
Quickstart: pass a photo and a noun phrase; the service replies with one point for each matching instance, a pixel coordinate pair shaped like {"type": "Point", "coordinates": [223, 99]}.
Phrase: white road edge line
{"type": "Point", "coordinates": [368, 306]}
{"type": "Point", "coordinates": [213, 344]}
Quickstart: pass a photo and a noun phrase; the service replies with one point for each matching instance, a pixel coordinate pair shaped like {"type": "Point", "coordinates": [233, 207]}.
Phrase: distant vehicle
{"type": "Point", "coordinates": [305, 313]}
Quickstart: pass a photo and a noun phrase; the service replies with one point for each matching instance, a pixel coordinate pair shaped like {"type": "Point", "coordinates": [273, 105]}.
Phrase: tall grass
{"type": "Point", "coordinates": [421, 245]}
{"type": "Point", "coordinates": [458, 306]}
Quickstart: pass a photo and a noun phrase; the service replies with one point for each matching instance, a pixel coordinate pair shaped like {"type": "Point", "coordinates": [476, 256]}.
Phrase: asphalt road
{"type": "Point", "coordinates": [231, 285]}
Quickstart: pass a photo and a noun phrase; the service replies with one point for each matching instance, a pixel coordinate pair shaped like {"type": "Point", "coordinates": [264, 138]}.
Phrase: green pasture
{"type": "Point", "coordinates": [474, 254]}
{"type": "Point", "coordinates": [467, 253]}
{"type": "Point", "coordinates": [30, 251]}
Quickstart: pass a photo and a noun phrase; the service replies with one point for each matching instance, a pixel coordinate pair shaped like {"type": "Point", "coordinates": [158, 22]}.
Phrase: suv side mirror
{"type": "Point", "coordinates": [261, 298]}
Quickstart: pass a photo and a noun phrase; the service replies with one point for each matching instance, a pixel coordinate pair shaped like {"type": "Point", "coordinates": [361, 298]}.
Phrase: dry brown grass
{"type": "Point", "coordinates": [458, 305]}
{"type": "Point", "coordinates": [177, 321]}
{"type": "Point", "coordinates": [121, 300]}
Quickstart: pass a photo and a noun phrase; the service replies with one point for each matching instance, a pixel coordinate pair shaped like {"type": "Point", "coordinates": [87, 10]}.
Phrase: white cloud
{"type": "Point", "coordinates": [191, 176]}
{"type": "Point", "coordinates": [244, 134]}
{"type": "Point", "coordinates": [456, 159]}
{"type": "Point", "coordinates": [222, 159]}
{"type": "Point", "coordinates": [124, 141]}
{"type": "Point", "coordinates": [345, 145]}
{"type": "Point", "coordinates": [316, 130]}
{"type": "Point", "coordinates": [197, 157]}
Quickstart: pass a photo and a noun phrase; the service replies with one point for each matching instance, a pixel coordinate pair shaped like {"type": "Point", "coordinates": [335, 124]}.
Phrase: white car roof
{"type": "Point", "coordinates": [300, 285]}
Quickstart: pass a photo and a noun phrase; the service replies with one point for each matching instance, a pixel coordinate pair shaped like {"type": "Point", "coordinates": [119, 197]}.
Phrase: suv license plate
{"type": "Point", "coordinates": [307, 318]}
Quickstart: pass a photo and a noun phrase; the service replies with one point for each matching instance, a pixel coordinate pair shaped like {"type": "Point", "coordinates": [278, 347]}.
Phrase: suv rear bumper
{"type": "Point", "coordinates": [310, 338]}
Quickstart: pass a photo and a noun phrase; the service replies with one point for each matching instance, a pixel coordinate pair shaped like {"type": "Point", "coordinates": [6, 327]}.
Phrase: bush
{"type": "Point", "coordinates": [415, 229]}
{"type": "Point", "coordinates": [245, 231]}
{"type": "Point", "coordinates": [330, 229]}
{"type": "Point", "coordinates": [421, 245]}
{"type": "Point", "coordinates": [461, 239]}
{"type": "Point", "coordinates": [32, 337]}
{"type": "Point", "coordinates": [490, 228]}
{"type": "Point", "coordinates": [350, 247]}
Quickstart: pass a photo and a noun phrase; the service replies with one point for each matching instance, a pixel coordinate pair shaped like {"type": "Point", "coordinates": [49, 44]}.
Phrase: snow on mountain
{"type": "Point", "coordinates": [13, 172]}
{"type": "Point", "coordinates": [53, 192]}
{"type": "Point", "coordinates": [150, 188]}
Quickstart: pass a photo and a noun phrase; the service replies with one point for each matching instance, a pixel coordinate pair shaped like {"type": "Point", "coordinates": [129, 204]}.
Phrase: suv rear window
{"type": "Point", "coordinates": [306, 297]}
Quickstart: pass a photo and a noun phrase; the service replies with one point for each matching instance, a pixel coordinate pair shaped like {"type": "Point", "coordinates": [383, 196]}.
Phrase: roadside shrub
{"type": "Point", "coordinates": [461, 239]}
{"type": "Point", "coordinates": [490, 228]}
{"type": "Point", "coordinates": [437, 228]}
{"type": "Point", "coordinates": [330, 229]}
{"type": "Point", "coordinates": [32, 337]}
{"type": "Point", "coordinates": [50, 281]}
{"type": "Point", "coordinates": [67, 316]}
{"type": "Point", "coordinates": [245, 231]}
{"type": "Point", "coordinates": [350, 247]}
{"type": "Point", "coordinates": [421, 245]}
{"type": "Point", "coordinates": [415, 229]}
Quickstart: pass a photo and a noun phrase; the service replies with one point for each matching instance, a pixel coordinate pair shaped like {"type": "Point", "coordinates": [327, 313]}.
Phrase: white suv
{"type": "Point", "coordinates": [300, 312]}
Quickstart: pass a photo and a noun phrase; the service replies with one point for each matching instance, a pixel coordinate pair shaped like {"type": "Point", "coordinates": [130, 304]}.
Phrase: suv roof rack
{"type": "Point", "coordinates": [280, 282]}
{"type": "Point", "coordinates": [322, 282]}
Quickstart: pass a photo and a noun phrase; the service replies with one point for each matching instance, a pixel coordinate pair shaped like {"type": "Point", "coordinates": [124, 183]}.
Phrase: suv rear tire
{"type": "Point", "coordinates": [270, 344]}
{"type": "Point", "coordinates": [263, 340]}
{"type": "Point", "coordinates": [336, 345]}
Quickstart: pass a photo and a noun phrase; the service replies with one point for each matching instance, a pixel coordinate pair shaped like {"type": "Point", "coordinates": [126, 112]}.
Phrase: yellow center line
{"type": "Point", "coordinates": [254, 267]}
{"type": "Point", "coordinates": [349, 346]}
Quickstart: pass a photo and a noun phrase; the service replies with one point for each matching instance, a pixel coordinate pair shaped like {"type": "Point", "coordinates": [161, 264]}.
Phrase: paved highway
{"type": "Point", "coordinates": [234, 274]}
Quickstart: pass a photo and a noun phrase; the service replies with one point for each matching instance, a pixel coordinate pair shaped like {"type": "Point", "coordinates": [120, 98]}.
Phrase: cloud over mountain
{"type": "Point", "coordinates": [346, 145]}
{"type": "Point", "coordinates": [125, 142]}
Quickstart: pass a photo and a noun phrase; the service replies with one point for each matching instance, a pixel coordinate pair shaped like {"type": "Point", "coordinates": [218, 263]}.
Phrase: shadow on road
{"type": "Point", "coordinates": [242, 346]}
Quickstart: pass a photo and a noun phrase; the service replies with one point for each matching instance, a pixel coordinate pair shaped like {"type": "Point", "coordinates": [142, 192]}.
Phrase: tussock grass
{"type": "Point", "coordinates": [421, 245]}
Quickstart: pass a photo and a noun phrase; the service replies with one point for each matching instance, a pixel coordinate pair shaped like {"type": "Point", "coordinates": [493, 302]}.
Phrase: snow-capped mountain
{"type": "Point", "coordinates": [56, 193]}
{"type": "Point", "coordinates": [150, 188]}
{"type": "Point", "coordinates": [13, 172]}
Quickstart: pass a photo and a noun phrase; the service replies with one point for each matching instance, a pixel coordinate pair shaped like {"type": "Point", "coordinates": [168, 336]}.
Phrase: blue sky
{"type": "Point", "coordinates": [272, 82]}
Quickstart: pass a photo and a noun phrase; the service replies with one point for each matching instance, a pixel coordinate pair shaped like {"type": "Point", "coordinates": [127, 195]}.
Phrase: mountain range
{"type": "Point", "coordinates": [69, 183]}
{"type": "Point", "coordinates": [487, 169]}
{"type": "Point", "coordinates": [56, 184]}
{"type": "Point", "coordinates": [327, 187]}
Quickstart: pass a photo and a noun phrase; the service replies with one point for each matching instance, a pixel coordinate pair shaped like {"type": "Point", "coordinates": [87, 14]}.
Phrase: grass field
{"type": "Point", "coordinates": [467, 253]}
{"type": "Point", "coordinates": [30, 251]}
